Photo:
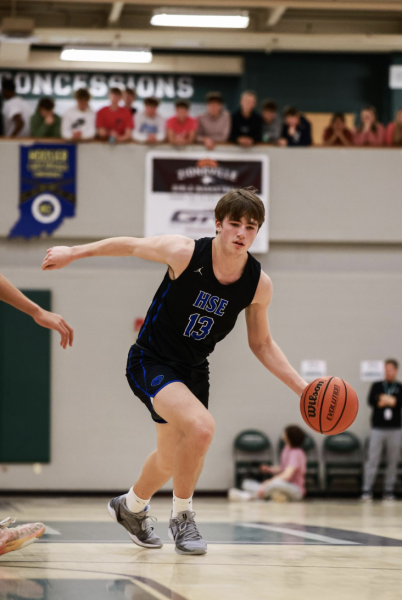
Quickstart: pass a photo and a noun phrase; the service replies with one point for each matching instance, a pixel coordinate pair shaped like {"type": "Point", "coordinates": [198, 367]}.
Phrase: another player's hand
{"type": "Point", "coordinates": [57, 258]}
{"type": "Point", "coordinates": [266, 469]}
{"type": "Point", "coordinates": [50, 320]}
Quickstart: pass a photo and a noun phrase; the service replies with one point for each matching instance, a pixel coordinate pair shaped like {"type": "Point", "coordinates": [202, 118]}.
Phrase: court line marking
{"type": "Point", "coordinates": [51, 531]}
{"type": "Point", "coordinates": [302, 534]}
{"type": "Point", "coordinates": [154, 588]}
{"type": "Point", "coordinates": [20, 565]}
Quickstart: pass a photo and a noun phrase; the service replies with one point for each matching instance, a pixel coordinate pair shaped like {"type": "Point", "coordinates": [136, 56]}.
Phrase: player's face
{"type": "Point", "coordinates": [237, 236]}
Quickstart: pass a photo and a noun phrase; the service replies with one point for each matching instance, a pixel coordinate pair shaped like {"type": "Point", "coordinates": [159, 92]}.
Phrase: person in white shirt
{"type": "Point", "coordinates": [16, 112]}
{"type": "Point", "coordinates": [149, 126]}
{"type": "Point", "coordinates": [78, 123]}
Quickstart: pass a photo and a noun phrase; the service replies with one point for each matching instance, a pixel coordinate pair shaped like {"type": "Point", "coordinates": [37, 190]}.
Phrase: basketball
{"type": "Point", "coordinates": [329, 405]}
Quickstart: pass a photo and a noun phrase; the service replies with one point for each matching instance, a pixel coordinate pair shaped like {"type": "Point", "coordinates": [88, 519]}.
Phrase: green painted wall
{"type": "Point", "coordinates": [24, 384]}
{"type": "Point", "coordinates": [321, 82]}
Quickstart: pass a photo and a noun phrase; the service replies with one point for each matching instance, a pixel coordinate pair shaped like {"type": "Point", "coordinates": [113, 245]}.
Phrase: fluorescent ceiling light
{"type": "Point", "coordinates": [106, 55]}
{"type": "Point", "coordinates": [234, 21]}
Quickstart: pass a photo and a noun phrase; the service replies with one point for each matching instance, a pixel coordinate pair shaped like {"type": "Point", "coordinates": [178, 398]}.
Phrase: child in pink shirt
{"type": "Point", "coordinates": [288, 481]}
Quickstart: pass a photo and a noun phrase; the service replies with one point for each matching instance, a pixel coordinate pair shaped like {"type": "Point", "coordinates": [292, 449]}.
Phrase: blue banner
{"type": "Point", "coordinates": [47, 188]}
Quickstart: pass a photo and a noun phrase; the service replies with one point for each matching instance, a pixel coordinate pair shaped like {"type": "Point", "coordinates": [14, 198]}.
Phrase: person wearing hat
{"type": "Point", "coordinates": [214, 125]}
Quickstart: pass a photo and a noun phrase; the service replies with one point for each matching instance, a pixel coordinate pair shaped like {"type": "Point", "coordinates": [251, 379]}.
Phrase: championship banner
{"type": "Point", "coordinates": [182, 191]}
{"type": "Point", "coordinates": [47, 188]}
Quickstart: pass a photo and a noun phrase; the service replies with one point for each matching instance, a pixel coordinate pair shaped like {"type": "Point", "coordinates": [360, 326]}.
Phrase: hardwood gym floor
{"type": "Point", "coordinates": [308, 551]}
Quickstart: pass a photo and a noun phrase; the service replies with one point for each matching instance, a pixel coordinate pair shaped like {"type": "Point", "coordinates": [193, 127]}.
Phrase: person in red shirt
{"type": "Point", "coordinates": [337, 134]}
{"type": "Point", "coordinates": [393, 133]}
{"type": "Point", "coordinates": [114, 121]}
{"type": "Point", "coordinates": [181, 128]}
{"type": "Point", "coordinates": [370, 132]}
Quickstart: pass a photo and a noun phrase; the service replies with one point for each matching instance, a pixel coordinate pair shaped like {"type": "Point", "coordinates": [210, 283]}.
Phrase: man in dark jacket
{"type": "Point", "coordinates": [246, 122]}
{"type": "Point", "coordinates": [386, 399]}
{"type": "Point", "coordinates": [296, 130]}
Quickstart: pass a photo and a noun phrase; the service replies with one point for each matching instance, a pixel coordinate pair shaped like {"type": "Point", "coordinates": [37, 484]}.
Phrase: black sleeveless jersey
{"type": "Point", "coordinates": [190, 314]}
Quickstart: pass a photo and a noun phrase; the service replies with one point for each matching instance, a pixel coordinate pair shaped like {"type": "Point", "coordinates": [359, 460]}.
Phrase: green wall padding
{"type": "Point", "coordinates": [24, 384]}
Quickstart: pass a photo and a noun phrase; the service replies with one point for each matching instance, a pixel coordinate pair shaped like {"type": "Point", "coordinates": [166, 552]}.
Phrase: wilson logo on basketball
{"type": "Point", "coordinates": [312, 400]}
{"type": "Point", "coordinates": [334, 402]}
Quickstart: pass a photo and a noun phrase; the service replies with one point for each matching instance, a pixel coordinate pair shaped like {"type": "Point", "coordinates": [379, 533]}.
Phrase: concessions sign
{"type": "Point", "coordinates": [182, 191]}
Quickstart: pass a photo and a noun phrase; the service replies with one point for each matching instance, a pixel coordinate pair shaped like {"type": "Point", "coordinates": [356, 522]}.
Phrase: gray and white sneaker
{"type": "Point", "coordinates": [184, 533]}
{"type": "Point", "coordinates": [138, 525]}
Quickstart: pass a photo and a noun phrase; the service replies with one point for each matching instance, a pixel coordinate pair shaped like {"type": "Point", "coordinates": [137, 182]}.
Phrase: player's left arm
{"type": "Point", "coordinates": [261, 342]}
{"type": "Point", "coordinates": [44, 318]}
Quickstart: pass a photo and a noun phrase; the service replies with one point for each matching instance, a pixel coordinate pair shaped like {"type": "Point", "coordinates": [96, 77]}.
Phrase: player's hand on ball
{"type": "Point", "coordinates": [57, 258]}
{"type": "Point", "coordinates": [50, 320]}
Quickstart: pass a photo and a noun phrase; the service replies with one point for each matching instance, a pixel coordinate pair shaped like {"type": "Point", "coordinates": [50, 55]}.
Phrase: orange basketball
{"type": "Point", "coordinates": [329, 405]}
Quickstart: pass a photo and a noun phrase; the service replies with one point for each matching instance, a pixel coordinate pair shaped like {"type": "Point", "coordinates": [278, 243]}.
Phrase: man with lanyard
{"type": "Point", "coordinates": [386, 399]}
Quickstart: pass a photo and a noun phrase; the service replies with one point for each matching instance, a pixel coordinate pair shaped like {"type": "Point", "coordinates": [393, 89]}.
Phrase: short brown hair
{"type": "Point", "coordinates": [270, 105]}
{"type": "Point", "coordinates": [131, 91]}
{"type": "Point", "coordinates": [392, 361]}
{"type": "Point", "coordinates": [240, 203]}
{"type": "Point", "coordinates": [182, 104]}
{"type": "Point", "coordinates": [46, 104]}
{"type": "Point", "coordinates": [82, 94]}
{"type": "Point", "coordinates": [115, 90]}
{"type": "Point", "coordinates": [151, 101]}
{"type": "Point", "coordinates": [214, 97]}
{"type": "Point", "coordinates": [295, 435]}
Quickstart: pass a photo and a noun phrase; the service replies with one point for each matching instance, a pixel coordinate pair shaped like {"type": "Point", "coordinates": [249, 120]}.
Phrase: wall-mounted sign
{"type": "Point", "coordinates": [312, 369]}
{"type": "Point", "coordinates": [371, 370]}
{"type": "Point", "coordinates": [183, 190]}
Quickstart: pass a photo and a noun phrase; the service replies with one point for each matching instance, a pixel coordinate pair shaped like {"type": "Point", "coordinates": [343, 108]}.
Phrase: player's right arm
{"type": "Point", "coordinates": [173, 250]}
{"type": "Point", "coordinates": [11, 295]}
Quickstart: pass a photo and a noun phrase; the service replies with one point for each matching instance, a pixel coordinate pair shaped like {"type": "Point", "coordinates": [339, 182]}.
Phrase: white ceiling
{"type": "Point", "coordinates": [309, 25]}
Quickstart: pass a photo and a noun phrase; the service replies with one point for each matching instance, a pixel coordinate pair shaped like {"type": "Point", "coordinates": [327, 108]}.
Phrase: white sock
{"type": "Point", "coordinates": [180, 504]}
{"type": "Point", "coordinates": [134, 503]}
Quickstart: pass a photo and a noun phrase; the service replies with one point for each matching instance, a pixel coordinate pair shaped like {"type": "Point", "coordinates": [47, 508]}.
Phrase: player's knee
{"type": "Point", "coordinates": [202, 433]}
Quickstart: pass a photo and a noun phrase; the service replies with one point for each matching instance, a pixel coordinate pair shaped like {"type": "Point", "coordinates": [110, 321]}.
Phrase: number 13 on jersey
{"type": "Point", "coordinates": [205, 323]}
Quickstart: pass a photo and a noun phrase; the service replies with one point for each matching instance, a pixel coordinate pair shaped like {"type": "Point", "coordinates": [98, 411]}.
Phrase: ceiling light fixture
{"type": "Point", "coordinates": [110, 55]}
{"type": "Point", "coordinates": [193, 19]}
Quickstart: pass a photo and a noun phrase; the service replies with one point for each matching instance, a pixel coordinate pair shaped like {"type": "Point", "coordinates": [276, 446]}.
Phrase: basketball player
{"type": "Point", "coordinates": [207, 284]}
{"type": "Point", "coordinates": [16, 538]}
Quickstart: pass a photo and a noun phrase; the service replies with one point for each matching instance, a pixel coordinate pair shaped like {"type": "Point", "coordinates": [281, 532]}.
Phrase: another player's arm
{"type": "Point", "coordinates": [172, 250]}
{"type": "Point", "coordinates": [261, 342]}
{"type": "Point", "coordinates": [44, 318]}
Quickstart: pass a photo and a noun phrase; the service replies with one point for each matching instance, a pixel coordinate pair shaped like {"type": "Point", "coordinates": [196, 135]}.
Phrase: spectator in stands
{"type": "Point", "coordinates": [149, 126]}
{"type": "Point", "coordinates": [296, 130]}
{"type": "Point", "coordinates": [78, 122]}
{"type": "Point", "coordinates": [16, 112]}
{"type": "Point", "coordinates": [181, 128]}
{"type": "Point", "coordinates": [271, 122]}
{"type": "Point", "coordinates": [337, 134]}
{"type": "Point", "coordinates": [129, 97]}
{"type": "Point", "coordinates": [214, 125]}
{"type": "Point", "coordinates": [287, 482]}
{"type": "Point", "coordinates": [45, 123]}
{"type": "Point", "coordinates": [246, 122]}
{"type": "Point", "coordinates": [114, 122]}
{"type": "Point", "coordinates": [370, 132]}
{"type": "Point", "coordinates": [393, 133]}
{"type": "Point", "coordinates": [386, 399]}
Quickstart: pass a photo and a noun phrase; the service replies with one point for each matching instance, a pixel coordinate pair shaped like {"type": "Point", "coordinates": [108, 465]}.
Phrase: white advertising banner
{"type": "Point", "coordinates": [182, 191]}
{"type": "Point", "coordinates": [313, 369]}
{"type": "Point", "coordinates": [372, 370]}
